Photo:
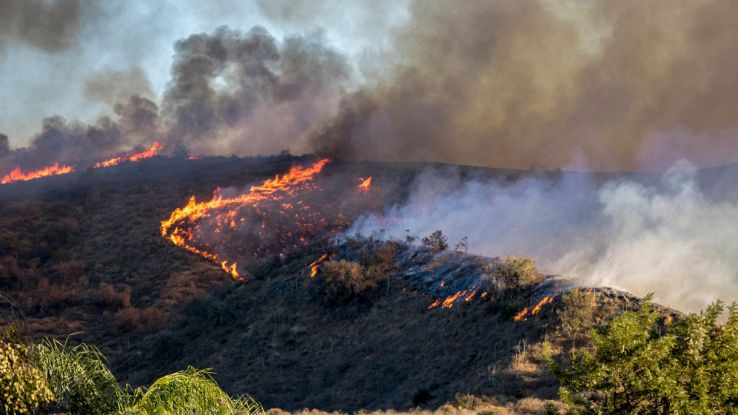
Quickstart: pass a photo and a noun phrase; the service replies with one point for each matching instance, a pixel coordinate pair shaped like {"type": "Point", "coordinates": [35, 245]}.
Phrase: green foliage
{"type": "Point", "coordinates": [436, 241]}
{"type": "Point", "coordinates": [637, 365]}
{"type": "Point", "coordinates": [23, 388]}
{"type": "Point", "coordinates": [191, 392]}
{"type": "Point", "coordinates": [515, 272]}
{"type": "Point", "coordinates": [576, 311]}
{"type": "Point", "coordinates": [81, 381]}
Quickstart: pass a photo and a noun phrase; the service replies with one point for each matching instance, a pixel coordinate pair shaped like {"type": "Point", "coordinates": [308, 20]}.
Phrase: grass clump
{"type": "Point", "coordinates": [191, 392]}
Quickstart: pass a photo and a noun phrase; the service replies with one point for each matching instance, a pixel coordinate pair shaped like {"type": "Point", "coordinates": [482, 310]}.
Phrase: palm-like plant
{"type": "Point", "coordinates": [81, 382]}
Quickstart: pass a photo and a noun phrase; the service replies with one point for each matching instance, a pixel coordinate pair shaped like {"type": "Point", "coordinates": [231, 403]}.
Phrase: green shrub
{"type": "Point", "coordinates": [576, 311]}
{"type": "Point", "coordinates": [23, 388]}
{"type": "Point", "coordinates": [515, 272]}
{"type": "Point", "coordinates": [81, 381]}
{"type": "Point", "coordinates": [636, 365]}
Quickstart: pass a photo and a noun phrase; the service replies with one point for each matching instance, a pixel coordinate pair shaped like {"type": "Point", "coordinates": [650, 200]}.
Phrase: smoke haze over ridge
{"type": "Point", "coordinates": [621, 84]}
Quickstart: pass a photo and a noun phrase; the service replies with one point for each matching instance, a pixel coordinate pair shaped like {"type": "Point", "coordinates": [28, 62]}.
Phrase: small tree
{"type": "Point", "coordinates": [436, 241]}
{"type": "Point", "coordinates": [636, 365]}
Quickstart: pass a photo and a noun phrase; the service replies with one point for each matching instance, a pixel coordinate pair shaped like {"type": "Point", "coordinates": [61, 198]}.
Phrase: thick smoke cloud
{"type": "Point", "coordinates": [669, 235]}
{"type": "Point", "coordinates": [69, 142]}
{"type": "Point", "coordinates": [4, 146]}
{"type": "Point", "coordinates": [231, 92]}
{"type": "Point", "coordinates": [48, 25]}
{"type": "Point", "coordinates": [526, 83]}
{"type": "Point", "coordinates": [246, 93]}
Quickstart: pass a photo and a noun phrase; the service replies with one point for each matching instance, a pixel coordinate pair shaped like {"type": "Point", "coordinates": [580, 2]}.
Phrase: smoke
{"type": "Point", "coordinates": [230, 93]}
{"type": "Point", "coordinates": [526, 83]}
{"type": "Point", "coordinates": [668, 234]}
{"type": "Point", "coordinates": [48, 25]}
{"type": "Point", "coordinates": [4, 146]}
{"type": "Point", "coordinates": [246, 93]}
{"type": "Point", "coordinates": [69, 142]}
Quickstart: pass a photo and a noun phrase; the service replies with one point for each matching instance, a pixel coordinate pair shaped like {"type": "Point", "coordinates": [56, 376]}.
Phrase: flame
{"type": "Point", "coordinates": [365, 184]}
{"type": "Point", "coordinates": [466, 295]}
{"type": "Point", "coordinates": [524, 314]}
{"type": "Point", "coordinates": [178, 228]}
{"type": "Point", "coordinates": [17, 175]}
{"type": "Point", "coordinates": [155, 148]}
{"type": "Point", "coordinates": [315, 265]}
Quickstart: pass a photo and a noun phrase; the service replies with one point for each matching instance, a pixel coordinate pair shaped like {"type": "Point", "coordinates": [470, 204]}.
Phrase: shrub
{"type": "Point", "coordinates": [112, 298]}
{"type": "Point", "coordinates": [345, 280]}
{"type": "Point", "coordinates": [576, 311]}
{"type": "Point", "coordinates": [436, 241]}
{"type": "Point", "coordinates": [515, 272]}
{"type": "Point", "coordinates": [23, 388]}
{"type": "Point", "coordinates": [637, 366]}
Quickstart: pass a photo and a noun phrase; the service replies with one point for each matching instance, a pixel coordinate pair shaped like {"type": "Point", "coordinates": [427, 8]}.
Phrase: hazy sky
{"type": "Point", "coordinates": [36, 82]}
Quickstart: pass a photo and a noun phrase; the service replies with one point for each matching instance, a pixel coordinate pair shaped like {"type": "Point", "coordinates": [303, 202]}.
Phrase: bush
{"type": "Point", "coordinates": [436, 241]}
{"type": "Point", "coordinates": [345, 280]}
{"type": "Point", "coordinates": [576, 311]}
{"type": "Point", "coordinates": [23, 388]}
{"type": "Point", "coordinates": [515, 272]}
{"type": "Point", "coordinates": [638, 366]}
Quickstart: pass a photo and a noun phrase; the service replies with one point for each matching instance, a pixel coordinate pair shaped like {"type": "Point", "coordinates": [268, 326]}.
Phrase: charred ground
{"type": "Point", "coordinates": [82, 254]}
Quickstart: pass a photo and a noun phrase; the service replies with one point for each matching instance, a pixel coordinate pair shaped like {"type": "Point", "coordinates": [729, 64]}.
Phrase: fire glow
{"type": "Point", "coordinates": [17, 175]}
{"type": "Point", "coordinates": [155, 148]}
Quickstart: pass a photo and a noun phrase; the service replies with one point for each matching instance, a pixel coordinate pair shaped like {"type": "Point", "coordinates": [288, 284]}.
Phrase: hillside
{"type": "Point", "coordinates": [82, 255]}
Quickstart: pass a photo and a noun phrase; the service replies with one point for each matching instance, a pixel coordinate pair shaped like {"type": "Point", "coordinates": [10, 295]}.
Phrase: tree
{"type": "Point", "coordinates": [638, 364]}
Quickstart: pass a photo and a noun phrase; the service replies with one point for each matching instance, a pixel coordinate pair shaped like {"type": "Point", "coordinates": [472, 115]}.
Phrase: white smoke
{"type": "Point", "coordinates": [665, 235]}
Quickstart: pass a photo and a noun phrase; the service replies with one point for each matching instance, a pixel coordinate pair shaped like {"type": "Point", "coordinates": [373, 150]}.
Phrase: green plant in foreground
{"type": "Point", "coordinates": [191, 392]}
{"type": "Point", "coordinates": [23, 388]}
{"type": "Point", "coordinates": [637, 365]}
{"type": "Point", "coordinates": [81, 381]}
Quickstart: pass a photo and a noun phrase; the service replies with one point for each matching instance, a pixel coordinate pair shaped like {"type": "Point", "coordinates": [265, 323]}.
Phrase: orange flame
{"type": "Point", "coordinates": [177, 227]}
{"type": "Point", "coordinates": [17, 175]}
{"type": "Point", "coordinates": [524, 314]}
{"type": "Point", "coordinates": [365, 184]}
{"type": "Point", "coordinates": [315, 265]}
{"type": "Point", "coordinates": [155, 148]}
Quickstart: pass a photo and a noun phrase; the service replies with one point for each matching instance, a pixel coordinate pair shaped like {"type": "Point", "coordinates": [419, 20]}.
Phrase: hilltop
{"type": "Point", "coordinates": [82, 254]}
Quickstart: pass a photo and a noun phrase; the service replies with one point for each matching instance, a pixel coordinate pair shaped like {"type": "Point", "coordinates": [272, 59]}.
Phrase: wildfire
{"type": "Point", "coordinates": [464, 295]}
{"type": "Point", "coordinates": [315, 265]}
{"type": "Point", "coordinates": [225, 212]}
{"type": "Point", "coordinates": [365, 184]}
{"type": "Point", "coordinates": [524, 314]}
{"type": "Point", "coordinates": [17, 175]}
{"type": "Point", "coordinates": [155, 148]}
